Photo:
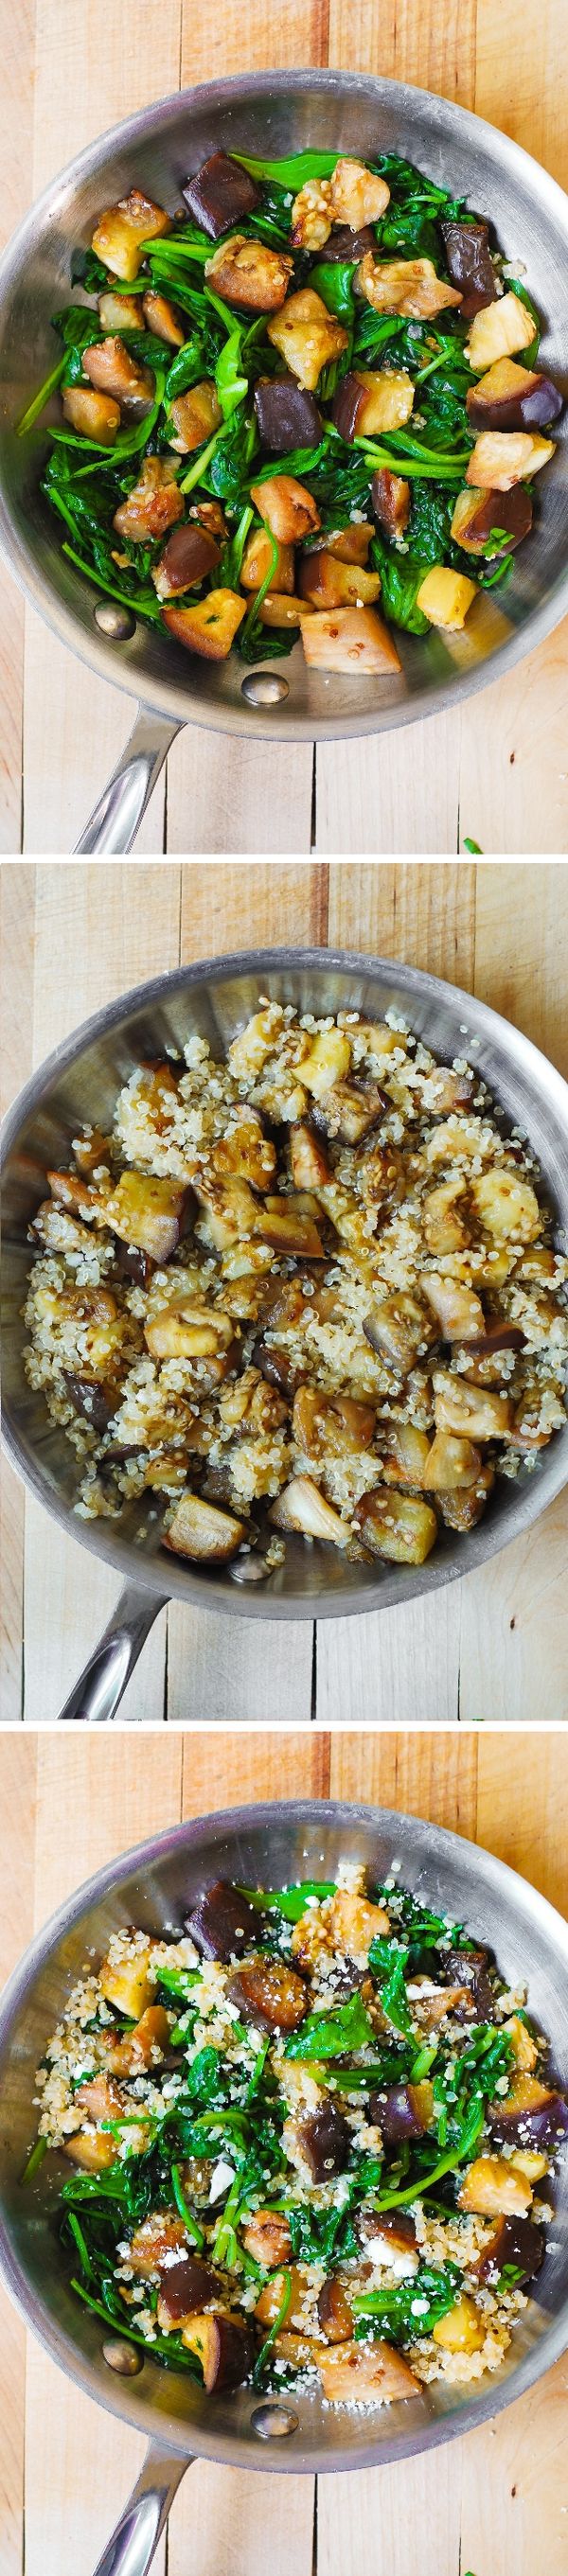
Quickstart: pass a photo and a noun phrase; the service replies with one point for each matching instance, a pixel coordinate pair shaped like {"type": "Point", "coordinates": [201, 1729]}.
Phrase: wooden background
{"type": "Point", "coordinates": [495, 2502]}
{"type": "Point", "coordinates": [497, 771]}
{"type": "Point", "coordinates": [492, 1645]}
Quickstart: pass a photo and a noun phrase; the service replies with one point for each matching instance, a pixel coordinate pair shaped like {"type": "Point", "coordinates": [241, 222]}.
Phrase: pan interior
{"type": "Point", "coordinates": [154, 1888]}
{"type": "Point", "coordinates": [82, 1083]}
{"type": "Point", "coordinates": [274, 114]}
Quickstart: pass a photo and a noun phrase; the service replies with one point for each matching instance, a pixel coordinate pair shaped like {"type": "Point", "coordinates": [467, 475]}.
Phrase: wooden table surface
{"type": "Point", "coordinates": [496, 771]}
{"type": "Point", "coordinates": [490, 1646]}
{"type": "Point", "coordinates": [495, 2502]}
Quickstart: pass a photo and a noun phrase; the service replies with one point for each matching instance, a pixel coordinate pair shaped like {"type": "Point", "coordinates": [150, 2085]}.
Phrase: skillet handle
{"type": "Point", "coordinates": [131, 2549]}
{"type": "Point", "coordinates": [98, 1693]}
{"type": "Point", "coordinates": [113, 825]}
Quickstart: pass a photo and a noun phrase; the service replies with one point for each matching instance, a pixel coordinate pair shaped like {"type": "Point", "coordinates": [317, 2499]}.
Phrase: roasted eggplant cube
{"type": "Point", "coordinates": [511, 397]}
{"type": "Point", "coordinates": [200, 1531]}
{"type": "Point", "coordinates": [223, 1923]}
{"type": "Point", "coordinates": [270, 1994]}
{"type": "Point", "coordinates": [335, 2317]}
{"type": "Point", "coordinates": [186, 2285]}
{"type": "Point", "coordinates": [390, 496]}
{"type": "Point", "coordinates": [403, 2111]}
{"type": "Point", "coordinates": [517, 2242]}
{"type": "Point", "coordinates": [224, 2348]}
{"type": "Point", "coordinates": [95, 1402]}
{"type": "Point", "coordinates": [249, 275]}
{"type": "Point", "coordinates": [350, 640]}
{"type": "Point", "coordinates": [492, 523]}
{"type": "Point", "coordinates": [189, 555]}
{"type": "Point", "coordinates": [325, 2139]}
{"type": "Point", "coordinates": [397, 1526]}
{"type": "Point", "coordinates": [220, 194]}
{"type": "Point", "coordinates": [532, 2114]}
{"type": "Point", "coordinates": [149, 1212]}
{"type": "Point", "coordinates": [287, 415]}
{"type": "Point", "coordinates": [469, 264]}
{"type": "Point", "coordinates": [350, 247]}
{"type": "Point", "coordinates": [208, 627]}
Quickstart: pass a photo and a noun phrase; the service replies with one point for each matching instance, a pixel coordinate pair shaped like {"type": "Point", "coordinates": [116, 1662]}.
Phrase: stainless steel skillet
{"type": "Point", "coordinates": [272, 113]}
{"type": "Point", "coordinates": [81, 1081]}
{"type": "Point", "coordinates": [152, 1885]}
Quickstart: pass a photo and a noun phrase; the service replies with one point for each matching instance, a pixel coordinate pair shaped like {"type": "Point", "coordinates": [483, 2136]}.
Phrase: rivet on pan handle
{"type": "Point", "coordinates": [116, 818]}
{"type": "Point", "coordinates": [97, 1695]}
{"type": "Point", "coordinates": [131, 2549]}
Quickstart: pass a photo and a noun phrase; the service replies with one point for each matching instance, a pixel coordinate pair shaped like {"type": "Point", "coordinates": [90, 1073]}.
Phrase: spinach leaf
{"type": "Point", "coordinates": [291, 1902]}
{"type": "Point", "coordinates": [333, 280]}
{"type": "Point", "coordinates": [332, 2034]}
{"type": "Point", "coordinates": [412, 2306]}
{"type": "Point", "coordinates": [387, 1962]}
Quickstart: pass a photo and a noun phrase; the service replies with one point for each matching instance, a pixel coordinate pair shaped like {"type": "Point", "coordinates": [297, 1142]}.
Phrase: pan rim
{"type": "Point", "coordinates": [188, 1833]}
{"type": "Point", "coordinates": [91, 649]}
{"type": "Point", "coordinates": [149, 1572]}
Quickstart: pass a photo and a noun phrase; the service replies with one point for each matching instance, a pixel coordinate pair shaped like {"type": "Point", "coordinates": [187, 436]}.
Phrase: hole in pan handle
{"type": "Point", "coordinates": [131, 2549]}
{"type": "Point", "coordinates": [116, 818]}
{"type": "Point", "coordinates": [97, 1695]}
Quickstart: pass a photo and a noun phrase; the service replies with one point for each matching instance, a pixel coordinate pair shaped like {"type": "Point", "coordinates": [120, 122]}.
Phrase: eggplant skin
{"type": "Point", "coordinates": [223, 1923]}
{"type": "Point", "coordinates": [348, 405]}
{"type": "Point", "coordinates": [190, 553]}
{"type": "Point", "coordinates": [96, 1402]}
{"type": "Point", "coordinates": [219, 194]}
{"type": "Point", "coordinates": [348, 246]}
{"type": "Point", "coordinates": [325, 2141]}
{"type": "Point", "coordinates": [185, 2285]}
{"type": "Point", "coordinates": [269, 1993]}
{"type": "Point", "coordinates": [396, 2113]}
{"type": "Point", "coordinates": [390, 496]}
{"type": "Point", "coordinates": [287, 415]}
{"type": "Point", "coordinates": [532, 407]}
{"type": "Point", "coordinates": [518, 2241]}
{"type": "Point", "coordinates": [469, 264]}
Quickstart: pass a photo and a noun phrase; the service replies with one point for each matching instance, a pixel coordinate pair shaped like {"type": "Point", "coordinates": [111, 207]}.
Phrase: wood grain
{"type": "Point", "coordinates": [494, 771]}
{"type": "Point", "coordinates": [486, 1647]}
{"type": "Point", "coordinates": [494, 2502]}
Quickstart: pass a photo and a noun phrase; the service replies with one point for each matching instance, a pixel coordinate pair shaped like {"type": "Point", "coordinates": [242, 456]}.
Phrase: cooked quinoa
{"type": "Point", "coordinates": [310, 2136]}
{"type": "Point", "coordinates": [312, 1289]}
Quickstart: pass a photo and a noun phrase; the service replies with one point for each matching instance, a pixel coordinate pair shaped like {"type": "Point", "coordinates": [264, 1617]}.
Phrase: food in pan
{"type": "Point", "coordinates": [308, 406]}
{"type": "Point", "coordinates": [311, 1289]}
{"type": "Point", "coordinates": [310, 2139]}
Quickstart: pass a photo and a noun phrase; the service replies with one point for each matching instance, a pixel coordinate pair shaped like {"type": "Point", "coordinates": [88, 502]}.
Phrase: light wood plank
{"type": "Point", "coordinates": [390, 791]}
{"type": "Point", "coordinates": [402, 2517]}
{"type": "Point", "coordinates": [18, 1778]}
{"type": "Point", "coordinates": [238, 2524]}
{"type": "Point", "coordinates": [226, 794]}
{"type": "Point", "coordinates": [522, 87]}
{"type": "Point", "coordinates": [98, 929]}
{"type": "Point", "coordinates": [421, 1774]}
{"type": "Point", "coordinates": [423, 916]}
{"type": "Point", "coordinates": [514, 2495]}
{"type": "Point", "coordinates": [223, 1770]}
{"type": "Point", "coordinates": [435, 50]}
{"type": "Point", "coordinates": [521, 950]}
{"type": "Point", "coordinates": [391, 1667]}
{"type": "Point", "coordinates": [521, 1810]}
